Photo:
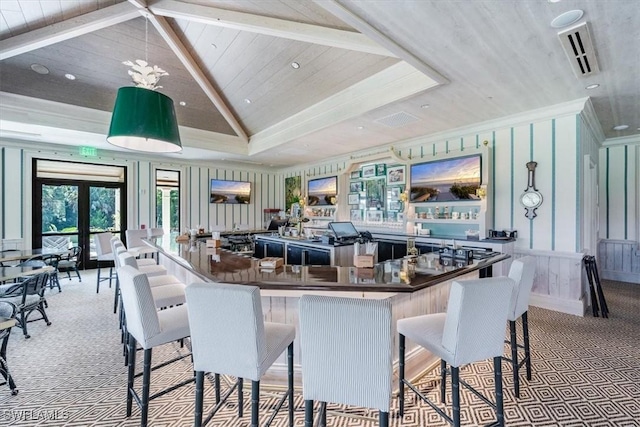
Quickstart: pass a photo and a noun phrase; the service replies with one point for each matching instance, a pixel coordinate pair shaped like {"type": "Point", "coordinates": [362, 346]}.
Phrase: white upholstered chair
{"type": "Point", "coordinates": [471, 330]}
{"type": "Point", "coordinates": [150, 328]}
{"type": "Point", "coordinates": [104, 254]}
{"type": "Point", "coordinates": [346, 348]}
{"type": "Point", "coordinates": [522, 271]}
{"type": "Point", "coordinates": [155, 232]}
{"type": "Point", "coordinates": [135, 243]}
{"type": "Point", "coordinates": [229, 337]}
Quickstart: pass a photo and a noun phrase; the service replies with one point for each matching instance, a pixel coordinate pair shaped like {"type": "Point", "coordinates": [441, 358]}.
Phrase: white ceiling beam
{"type": "Point", "coordinates": [275, 27]}
{"type": "Point", "coordinates": [189, 63]}
{"type": "Point", "coordinates": [390, 85]}
{"type": "Point", "coordinates": [350, 18]}
{"type": "Point", "coordinates": [67, 29]}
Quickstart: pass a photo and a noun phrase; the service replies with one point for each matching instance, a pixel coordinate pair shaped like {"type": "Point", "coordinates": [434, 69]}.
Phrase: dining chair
{"type": "Point", "coordinates": [8, 313]}
{"type": "Point", "coordinates": [27, 296]}
{"type": "Point", "coordinates": [71, 262]}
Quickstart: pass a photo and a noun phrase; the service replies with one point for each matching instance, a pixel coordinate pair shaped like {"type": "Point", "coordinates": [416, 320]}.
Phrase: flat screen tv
{"type": "Point", "coordinates": [322, 191]}
{"type": "Point", "coordinates": [446, 180]}
{"type": "Point", "coordinates": [233, 192]}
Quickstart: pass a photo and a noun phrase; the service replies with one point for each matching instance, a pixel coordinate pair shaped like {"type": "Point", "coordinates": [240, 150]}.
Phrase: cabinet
{"type": "Point", "coordinates": [303, 255]}
{"type": "Point", "coordinates": [320, 216]}
{"type": "Point", "coordinates": [454, 219]}
{"type": "Point", "coordinates": [265, 249]}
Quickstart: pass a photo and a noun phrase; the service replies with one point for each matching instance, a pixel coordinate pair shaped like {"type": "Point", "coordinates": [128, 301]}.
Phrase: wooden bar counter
{"type": "Point", "coordinates": [424, 292]}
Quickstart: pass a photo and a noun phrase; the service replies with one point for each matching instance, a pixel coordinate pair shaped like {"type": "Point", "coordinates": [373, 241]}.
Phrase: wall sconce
{"type": "Point", "coordinates": [481, 192]}
{"type": "Point", "coordinates": [403, 197]}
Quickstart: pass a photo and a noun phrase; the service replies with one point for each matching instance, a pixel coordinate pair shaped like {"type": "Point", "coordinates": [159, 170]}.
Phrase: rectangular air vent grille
{"type": "Point", "coordinates": [397, 120]}
{"type": "Point", "coordinates": [577, 45]}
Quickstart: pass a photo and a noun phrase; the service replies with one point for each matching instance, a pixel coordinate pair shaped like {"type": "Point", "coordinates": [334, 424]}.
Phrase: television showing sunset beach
{"type": "Point", "coordinates": [234, 192]}
{"type": "Point", "coordinates": [446, 180]}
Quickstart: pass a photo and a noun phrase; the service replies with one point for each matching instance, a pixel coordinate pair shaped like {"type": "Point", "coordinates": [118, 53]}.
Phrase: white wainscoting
{"type": "Point", "coordinates": [560, 284]}
{"type": "Point", "coordinates": [619, 260]}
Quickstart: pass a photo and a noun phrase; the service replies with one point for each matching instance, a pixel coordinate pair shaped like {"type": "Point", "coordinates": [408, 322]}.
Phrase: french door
{"type": "Point", "coordinates": [69, 212]}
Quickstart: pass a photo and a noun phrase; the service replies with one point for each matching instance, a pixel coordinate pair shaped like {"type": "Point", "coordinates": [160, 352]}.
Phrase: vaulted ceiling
{"type": "Point", "coordinates": [370, 72]}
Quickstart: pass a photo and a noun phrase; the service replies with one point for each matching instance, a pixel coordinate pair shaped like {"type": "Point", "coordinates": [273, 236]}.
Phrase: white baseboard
{"type": "Point", "coordinates": [575, 307]}
{"type": "Point", "coordinates": [621, 276]}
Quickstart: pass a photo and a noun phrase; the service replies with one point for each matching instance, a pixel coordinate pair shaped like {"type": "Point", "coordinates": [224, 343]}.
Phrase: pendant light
{"type": "Point", "coordinates": [144, 119]}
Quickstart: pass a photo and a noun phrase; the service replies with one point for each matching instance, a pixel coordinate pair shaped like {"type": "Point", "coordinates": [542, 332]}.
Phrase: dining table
{"type": "Point", "coordinates": [9, 255]}
{"type": "Point", "coordinates": [8, 274]}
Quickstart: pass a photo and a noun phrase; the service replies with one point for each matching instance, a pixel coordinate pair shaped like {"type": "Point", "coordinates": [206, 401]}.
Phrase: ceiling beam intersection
{"type": "Point", "coordinates": [355, 21]}
{"type": "Point", "coordinates": [178, 48]}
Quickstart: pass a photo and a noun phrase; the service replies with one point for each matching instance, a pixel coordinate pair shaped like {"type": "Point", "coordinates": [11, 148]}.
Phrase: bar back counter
{"type": "Point", "coordinates": [412, 290]}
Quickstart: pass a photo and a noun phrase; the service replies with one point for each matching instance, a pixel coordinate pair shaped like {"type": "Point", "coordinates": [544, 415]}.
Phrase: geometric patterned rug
{"type": "Point", "coordinates": [586, 372]}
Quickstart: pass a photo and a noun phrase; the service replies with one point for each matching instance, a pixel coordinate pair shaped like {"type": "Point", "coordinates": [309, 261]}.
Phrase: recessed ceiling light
{"type": "Point", "coordinates": [425, 106]}
{"type": "Point", "coordinates": [295, 65]}
{"type": "Point", "coordinates": [567, 18]}
{"type": "Point", "coordinates": [213, 45]}
{"type": "Point", "coordinates": [553, 1]}
{"type": "Point", "coordinates": [70, 76]}
{"type": "Point", "coordinates": [247, 100]}
{"type": "Point", "coordinates": [593, 86]}
{"type": "Point", "coordinates": [621, 127]}
{"type": "Point", "coordinates": [360, 127]}
{"type": "Point", "coordinates": [40, 69]}
{"type": "Point", "coordinates": [182, 103]}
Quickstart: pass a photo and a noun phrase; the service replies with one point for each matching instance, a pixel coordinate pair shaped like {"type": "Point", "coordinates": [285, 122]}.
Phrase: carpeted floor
{"type": "Point", "coordinates": [586, 372]}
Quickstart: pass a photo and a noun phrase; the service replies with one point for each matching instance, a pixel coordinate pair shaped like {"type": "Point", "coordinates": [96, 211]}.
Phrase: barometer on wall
{"type": "Point", "coordinates": [531, 199]}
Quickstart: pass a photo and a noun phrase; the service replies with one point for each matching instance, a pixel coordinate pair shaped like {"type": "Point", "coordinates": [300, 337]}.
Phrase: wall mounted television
{"type": "Point", "coordinates": [232, 192]}
{"type": "Point", "coordinates": [446, 180]}
{"type": "Point", "coordinates": [322, 191]}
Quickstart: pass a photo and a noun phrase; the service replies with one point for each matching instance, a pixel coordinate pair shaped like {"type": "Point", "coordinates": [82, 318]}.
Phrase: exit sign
{"type": "Point", "coordinates": [89, 151]}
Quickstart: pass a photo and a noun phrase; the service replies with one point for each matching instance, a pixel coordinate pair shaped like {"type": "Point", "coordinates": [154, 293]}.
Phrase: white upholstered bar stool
{"type": "Point", "coordinates": [102, 242]}
{"type": "Point", "coordinates": [116, 243]}
{"type": "Point", "coordinates": [134, 242]}
{"type": "Point", "coordinates": [346, 349]}
{"type": "Point", "coordinates": [155, 232]}
{"type": "Point", "coordinates": [116, 247]}
{"type": "Point", "coordinates": [150, 328]}
{"type": "Point", "coordinates": [522, 271]}
{"type": "Point", "coordinates": [230, 337]}
{"type": "Point", "coordinates": [471, 330]}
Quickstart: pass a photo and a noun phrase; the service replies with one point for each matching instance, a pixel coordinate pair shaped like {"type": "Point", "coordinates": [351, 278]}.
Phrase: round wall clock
{"type": "Point", "coordinates": [531, 199]}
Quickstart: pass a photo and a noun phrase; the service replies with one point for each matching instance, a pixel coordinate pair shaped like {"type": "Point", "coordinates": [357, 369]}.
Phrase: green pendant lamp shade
{"type": "Point", "coordinates": [144, 120]}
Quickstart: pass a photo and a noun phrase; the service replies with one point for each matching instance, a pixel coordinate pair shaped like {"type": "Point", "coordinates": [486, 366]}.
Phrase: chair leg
{"type": "Point", "coordinates": [78, 273]}
{"type": "Point", "coordinates": [497, 367]}
{"type": "Point", "coordinates": [514, 358]}
{"type": "Point", "coordinates": [240, 400]}
{"type": "Point", "coordinates": [290, 378]}
{"type": "Point", "coordinates": [131, 343]}
{"type": "Point", "coordinates": [110, 276]}
{"type": "Point", "coordinates": [4, 367]}
{"type": "Point", "coordinates": [146, 382]}
{"type": "Point", "coordinates": [527, 350]}
{"type": "Point", "coordinates": [384, 419]}
{"type": "Point", "coordinates": [199, 398]}
{"type": "Point", "coordinates": [23, 323]}
{"type": "Point", "coordinates": [98, 281]}
{"type": "Point", "coordinates": [255, 402]}
{"type": "Point", "coordinates": [43, 313]}
{"type": "Point", "coordinates": [455, 395]}
{"type": "Point", "coordinates": [308, 413]}
{"type": "Point", "coordinates": [216, 385]}
{"type": "Point", "coordinates": [323, 415]}
{"type": "Point", "coordinates": [443, 381]}
{"type": "Point", "coordinates": [116, 295]}
{"type": "Point", "coordinates": [401, 351]}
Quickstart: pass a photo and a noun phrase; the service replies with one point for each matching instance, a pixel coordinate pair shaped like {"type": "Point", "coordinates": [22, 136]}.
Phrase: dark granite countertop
{"type": "Point", "coordinates": [221, 265]}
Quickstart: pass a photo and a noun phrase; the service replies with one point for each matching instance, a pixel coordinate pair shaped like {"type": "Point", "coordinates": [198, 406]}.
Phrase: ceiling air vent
{"type": "Point", "coordinates": [577, 45]}
{"type": "Point", "coordinates": [397, 120]}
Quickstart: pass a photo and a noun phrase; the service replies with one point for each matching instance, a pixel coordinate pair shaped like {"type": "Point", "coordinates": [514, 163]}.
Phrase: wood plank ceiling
{"type": "Point", "coordinates": [229, 62]}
